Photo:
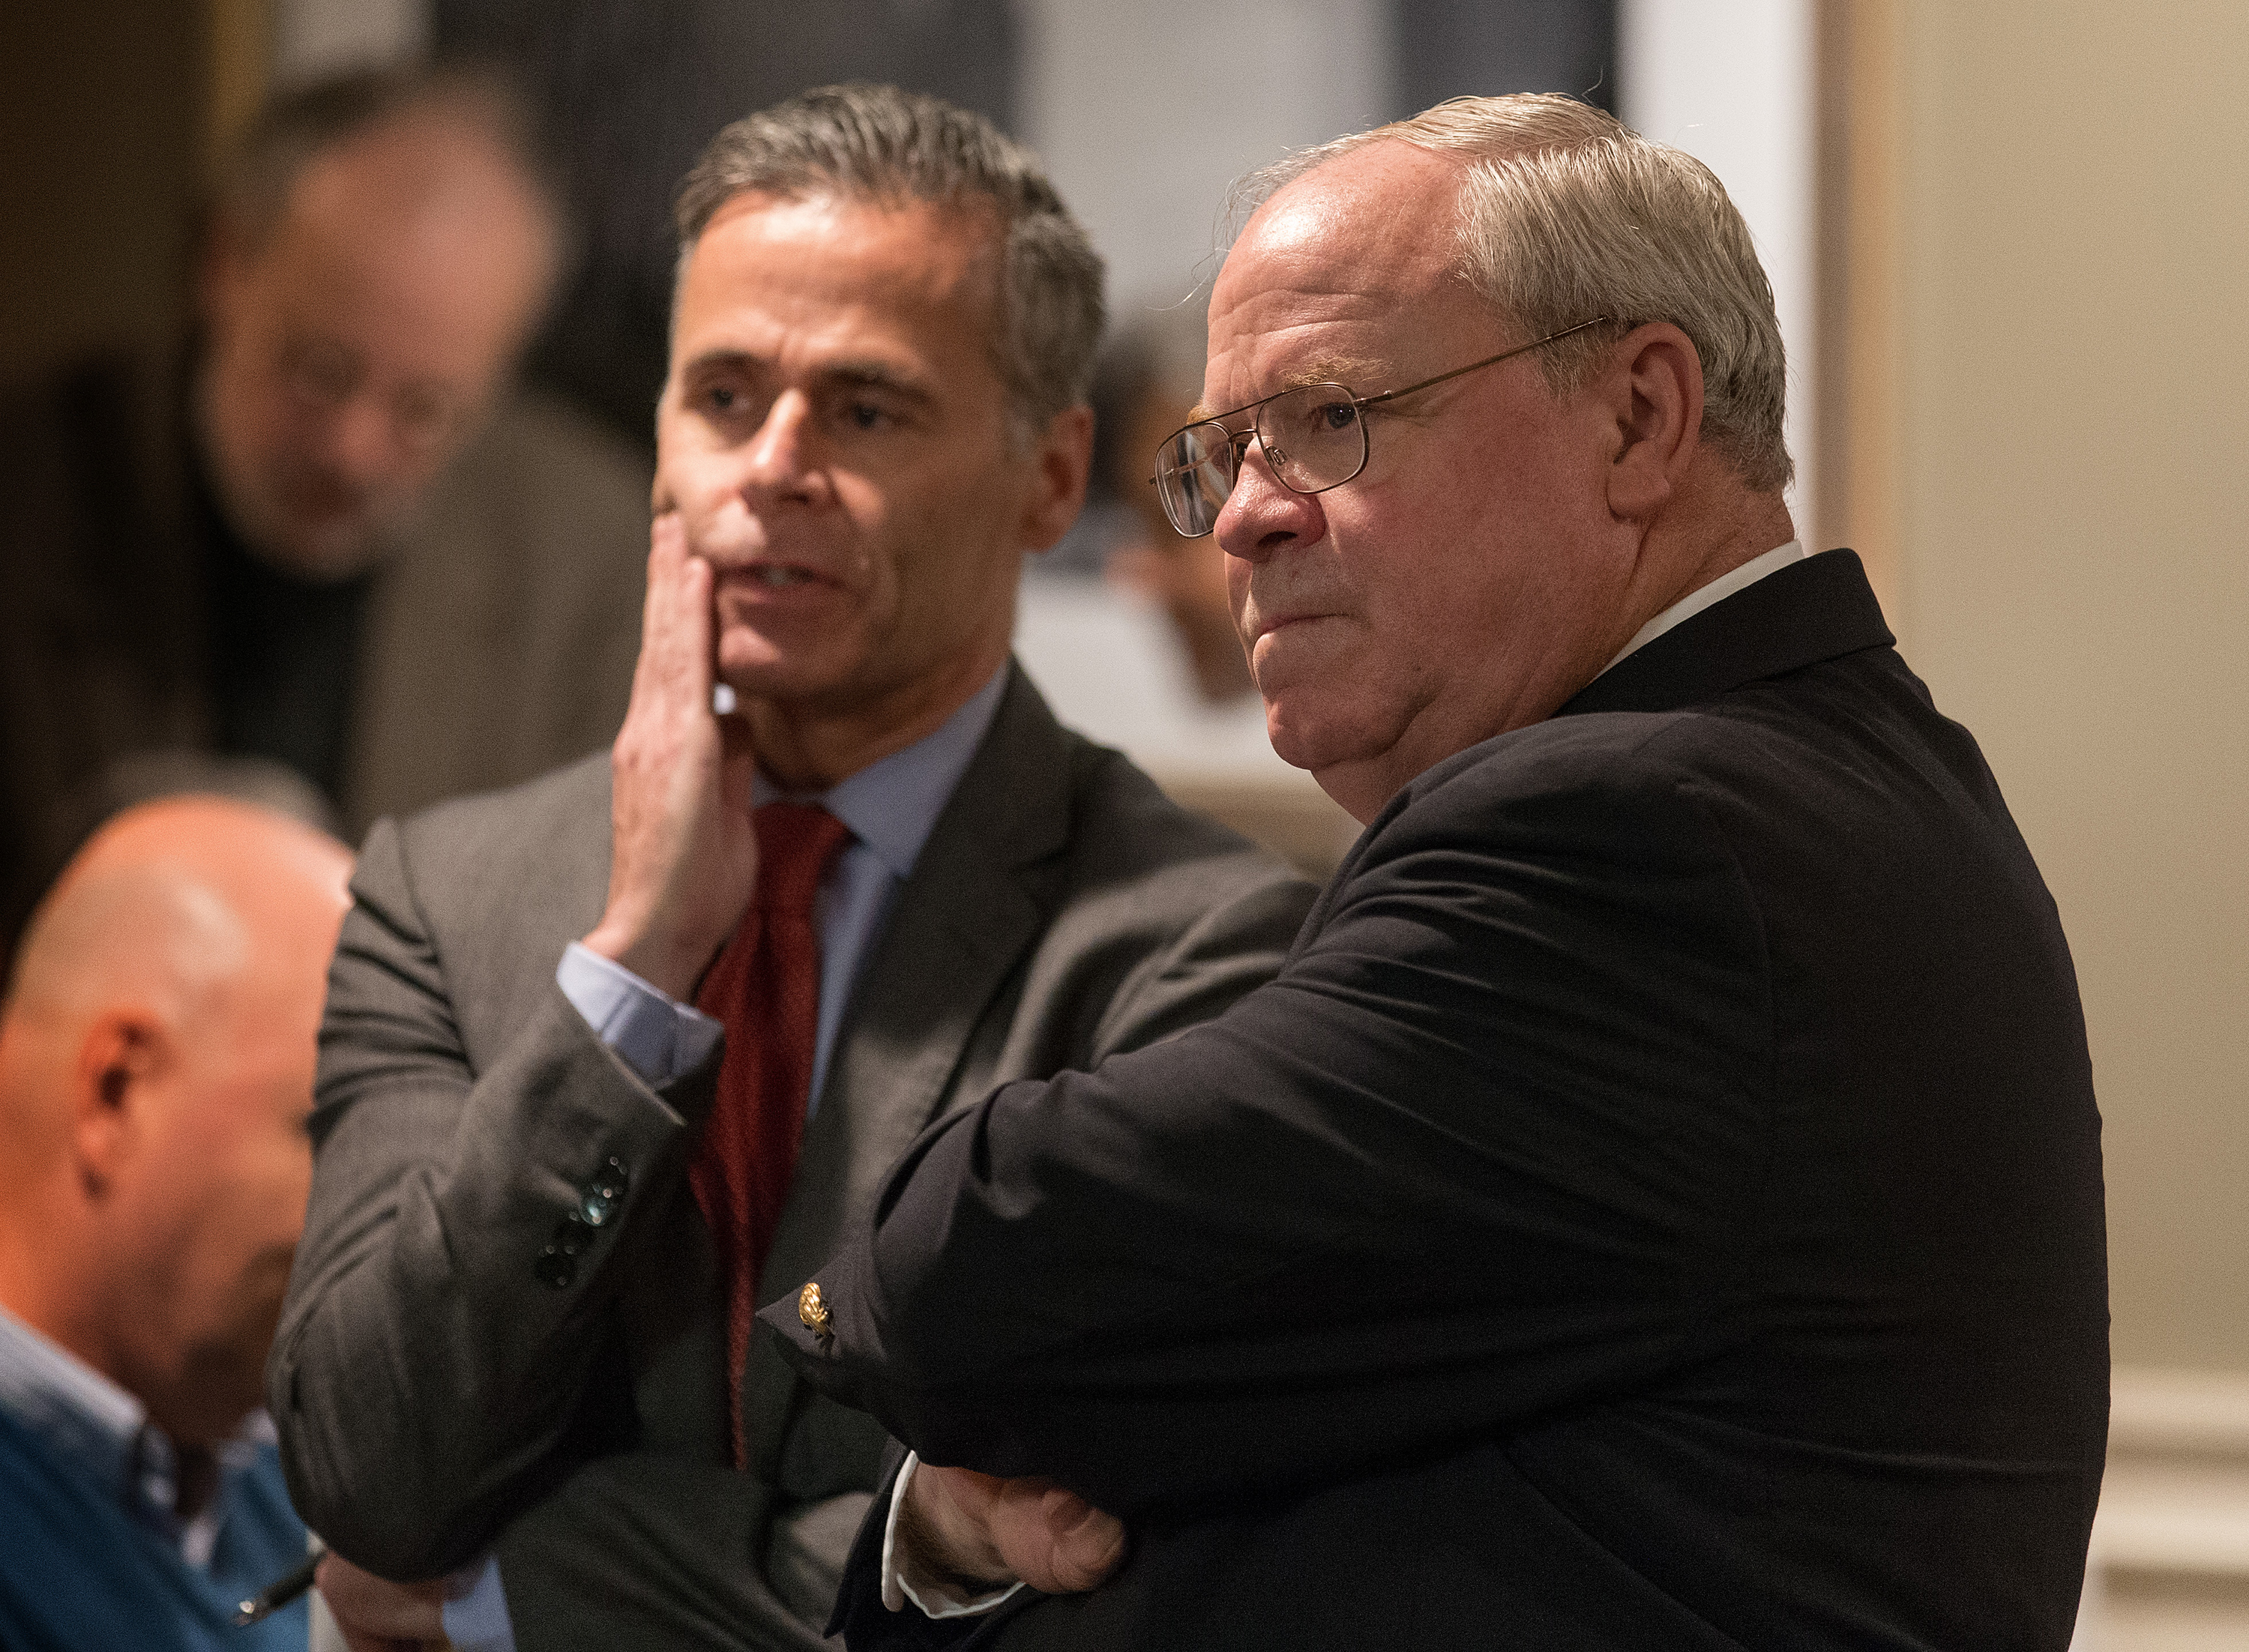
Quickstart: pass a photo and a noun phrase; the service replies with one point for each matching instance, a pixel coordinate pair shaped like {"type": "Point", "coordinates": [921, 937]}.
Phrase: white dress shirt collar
{"type": "Point", "coordinates": [1711, 594]}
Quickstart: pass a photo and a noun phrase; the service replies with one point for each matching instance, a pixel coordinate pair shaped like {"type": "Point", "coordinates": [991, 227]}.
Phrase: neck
{"type": "Point", "coordinates": [1715, 545]}
{"type": "Point", "coordinates": [809, 745]}
{"type": "Point", "coordinates": [32, 1289]}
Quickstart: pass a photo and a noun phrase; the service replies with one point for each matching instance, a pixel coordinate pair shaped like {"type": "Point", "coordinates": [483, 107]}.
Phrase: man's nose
{"type": "Point", "coordinates": [779, 459]}
{"type": "Point", "coordinates": [1261, 518]}
{"type": "Point", "coordinates": [362, 446]}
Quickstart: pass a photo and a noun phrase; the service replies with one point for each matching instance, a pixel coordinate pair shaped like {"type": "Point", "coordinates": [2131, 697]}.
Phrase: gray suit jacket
{"type": "Point", "coordinates": [435, 1396]}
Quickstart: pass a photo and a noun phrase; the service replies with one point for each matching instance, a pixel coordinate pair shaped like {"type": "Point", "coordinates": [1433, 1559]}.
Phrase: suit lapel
{"type": "Point", "coordinates": [974, 906]}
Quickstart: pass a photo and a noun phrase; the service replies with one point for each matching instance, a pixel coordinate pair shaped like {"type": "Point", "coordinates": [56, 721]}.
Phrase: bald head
{"type": "Point", "coordinates": [175, 902]}
{"type": "Point", "coordinates": [157, 1051]}
{"type": "Point", "coordinates": [359, 311]}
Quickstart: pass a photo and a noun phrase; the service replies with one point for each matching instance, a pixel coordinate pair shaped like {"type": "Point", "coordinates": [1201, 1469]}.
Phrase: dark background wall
{"type": "Point", "coordinates": [101, 130]}
{"type": "Point", "coordinates": [1449, 48]}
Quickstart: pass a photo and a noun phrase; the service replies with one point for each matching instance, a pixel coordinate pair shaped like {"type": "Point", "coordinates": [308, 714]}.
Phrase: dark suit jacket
{"type": "Point", "coordinates": [433, 1395]}
{"type": "Point", "coordinates": [498, 638]}
{"type": "Point", "coordinates": [1658, 1204]}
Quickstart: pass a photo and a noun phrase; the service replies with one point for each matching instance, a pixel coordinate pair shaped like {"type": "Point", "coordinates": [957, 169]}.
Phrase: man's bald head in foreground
{"type": "Point", "coordinates": [156, 1055]}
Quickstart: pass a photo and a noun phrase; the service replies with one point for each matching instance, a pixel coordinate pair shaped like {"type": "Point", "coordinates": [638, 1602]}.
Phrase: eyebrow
{"type": "Point", "coordinates": [1341, 370]}
{"type": "Point", "coordinates": [861, 375]}
{"type": "Point", "coordinates": [878, 376]}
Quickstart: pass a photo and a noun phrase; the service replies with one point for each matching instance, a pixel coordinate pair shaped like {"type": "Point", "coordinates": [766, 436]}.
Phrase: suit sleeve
{"type": "Point", "coordinates": [1479, 1152]}
{"type": "Point", "coordinates": [451, 1296]}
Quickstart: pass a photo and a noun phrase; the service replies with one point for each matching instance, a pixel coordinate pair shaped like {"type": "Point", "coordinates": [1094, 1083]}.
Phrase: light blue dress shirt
{"type": "Point", "coordinates": [891, 807]}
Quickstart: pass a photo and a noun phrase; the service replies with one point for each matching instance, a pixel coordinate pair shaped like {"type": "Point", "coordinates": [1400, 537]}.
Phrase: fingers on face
{"type": "Point", "coordinates": [676, 625]}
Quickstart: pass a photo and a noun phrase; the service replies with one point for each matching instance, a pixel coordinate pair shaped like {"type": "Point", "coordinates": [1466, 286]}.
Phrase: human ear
{"type": "Point", "coordinates": [123, 1050]}
{"type": "Point", "coordinates": [1062, 459]}
{"type": "Point", "coordinates": [1655, 392]}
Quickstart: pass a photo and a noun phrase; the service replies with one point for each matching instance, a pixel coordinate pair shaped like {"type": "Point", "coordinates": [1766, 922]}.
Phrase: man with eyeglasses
{"type": "Point", "coordinates": [331, 535]}
{"type": "Point", "coordinates": [1659, 1203]}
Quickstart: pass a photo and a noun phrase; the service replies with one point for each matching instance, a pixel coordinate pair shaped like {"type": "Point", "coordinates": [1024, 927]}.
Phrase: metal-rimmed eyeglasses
{"type": "Point", "coordinates": [1314, 437]}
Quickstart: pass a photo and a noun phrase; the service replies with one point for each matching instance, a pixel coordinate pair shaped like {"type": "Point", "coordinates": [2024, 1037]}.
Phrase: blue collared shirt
{"type": "Point", "coordinates": [92, 1422]}
{"type": "Point", "coordinates": [101, 1435]}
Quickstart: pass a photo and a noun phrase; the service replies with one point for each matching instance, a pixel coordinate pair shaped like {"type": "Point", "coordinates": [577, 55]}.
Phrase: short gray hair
{"type": "Point", "coordinates": [1566, 214]}
{"type": "Point", "coordinates": [880, 145]}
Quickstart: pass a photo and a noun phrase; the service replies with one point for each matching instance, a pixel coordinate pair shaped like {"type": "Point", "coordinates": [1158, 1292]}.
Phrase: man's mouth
{"type": "Point", "coordinates": [774, 575]}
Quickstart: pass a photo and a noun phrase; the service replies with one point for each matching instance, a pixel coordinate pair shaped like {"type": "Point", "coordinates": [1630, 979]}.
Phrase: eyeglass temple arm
{"type": "Point", "coordinates": [1241, 439]}
{"type": "Point", "coordinates": [1407, 390]}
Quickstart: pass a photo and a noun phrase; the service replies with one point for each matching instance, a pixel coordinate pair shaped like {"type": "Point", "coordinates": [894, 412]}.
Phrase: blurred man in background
{"type": "Point", "coordinates": [1150, 378]}
{"type": "Point", "coordinates": [350, 549]}
{"type": "Point", "coordinates": [157, 1051]}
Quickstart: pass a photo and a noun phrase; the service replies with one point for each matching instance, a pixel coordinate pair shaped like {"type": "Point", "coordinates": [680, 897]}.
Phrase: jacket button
{"type": "Point", "coordinates": [555, 1268]}
{"type": "Point", "coordinates": [572, 1236]}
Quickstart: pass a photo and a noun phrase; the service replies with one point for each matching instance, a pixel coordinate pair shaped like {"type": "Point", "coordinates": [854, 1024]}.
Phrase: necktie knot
{"type": "Point", "coordinates": [795, 843]}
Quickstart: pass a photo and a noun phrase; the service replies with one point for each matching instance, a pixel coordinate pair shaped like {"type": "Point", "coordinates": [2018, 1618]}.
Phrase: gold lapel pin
{"type": "Point", "coordinates": [814, 1312]}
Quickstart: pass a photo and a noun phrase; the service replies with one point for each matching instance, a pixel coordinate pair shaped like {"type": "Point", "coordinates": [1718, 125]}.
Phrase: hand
{"type": "Point", "coordinates": [683, 854]}
{"type": "Point", "coordinates": [378, 1615]}
{"type": "Point", "coordinates": [985, 1532]}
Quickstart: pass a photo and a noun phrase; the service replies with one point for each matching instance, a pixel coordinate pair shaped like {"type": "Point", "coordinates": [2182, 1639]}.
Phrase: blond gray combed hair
{"type": "Point", "coordinates": [1565, 214]}
{"type": "Point", "coordinates": [879, 145]}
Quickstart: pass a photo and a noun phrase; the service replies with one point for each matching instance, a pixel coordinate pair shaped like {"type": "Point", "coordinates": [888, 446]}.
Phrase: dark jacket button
{"type": "Point", "coordinates": [555, 1269]}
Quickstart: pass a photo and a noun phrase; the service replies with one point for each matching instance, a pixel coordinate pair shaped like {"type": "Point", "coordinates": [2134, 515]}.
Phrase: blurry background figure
{"type": "Point", "coordinates": [326, 533]}
{"type": "Point", "coordinates": [157, 1051]}
{"type": "Point", "coordinates": [1150, 381]}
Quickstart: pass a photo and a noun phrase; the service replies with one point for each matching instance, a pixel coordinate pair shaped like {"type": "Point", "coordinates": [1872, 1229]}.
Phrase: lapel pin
{"type": "Point", "coordinates": [814, 1312]}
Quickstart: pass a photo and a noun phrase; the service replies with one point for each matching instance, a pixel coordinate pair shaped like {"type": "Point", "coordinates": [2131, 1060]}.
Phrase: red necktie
{"type": "Point", "coordinates": [765, 988]}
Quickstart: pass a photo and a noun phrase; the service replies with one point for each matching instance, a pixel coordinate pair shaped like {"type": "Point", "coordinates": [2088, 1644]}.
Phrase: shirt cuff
{"type": "Point", "coordinates": [905, 1578]}
{"type": "Point", "coordinates": [478, 1620]}
{"type": "Point", "coordinates": [651, 1032]}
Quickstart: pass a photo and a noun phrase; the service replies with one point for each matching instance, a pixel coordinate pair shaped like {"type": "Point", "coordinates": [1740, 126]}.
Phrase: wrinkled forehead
{"type": "Point", "coordinates": [1336, 266]}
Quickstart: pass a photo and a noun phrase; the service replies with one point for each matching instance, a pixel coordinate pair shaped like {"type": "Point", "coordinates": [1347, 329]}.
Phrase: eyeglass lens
{"type": "Point", "coordinates": [1313, 437]}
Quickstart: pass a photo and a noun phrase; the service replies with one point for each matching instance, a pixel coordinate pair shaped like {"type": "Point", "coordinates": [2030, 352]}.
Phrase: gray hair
{"type": "Point", "coordinates": [883, 146]}
{"type": "Point", "coordinates": [1566, 214]}
{"type": "Point", "coordinates": [300, 126]}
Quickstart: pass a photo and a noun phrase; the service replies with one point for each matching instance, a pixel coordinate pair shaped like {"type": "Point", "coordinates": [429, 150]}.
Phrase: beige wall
{"type": "Point", "coordinates": [2070, 496]}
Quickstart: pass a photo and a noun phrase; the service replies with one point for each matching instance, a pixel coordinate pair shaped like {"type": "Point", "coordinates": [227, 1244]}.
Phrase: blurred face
{"type": "Point", "coordinates": [837, 442]}
{"type": "Point", "coordinates": [211, 1206]}
{"type": "Point", "coordinates": [1460, 585]}
{"type": "Point", "coordinates": [350, 355]}
{"type": "Point", "coordinates": [1185, 577]}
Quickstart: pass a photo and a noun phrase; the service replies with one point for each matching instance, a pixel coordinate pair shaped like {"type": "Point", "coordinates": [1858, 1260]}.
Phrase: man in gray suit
{"type": "Point", "coordinates": [511, 1331]}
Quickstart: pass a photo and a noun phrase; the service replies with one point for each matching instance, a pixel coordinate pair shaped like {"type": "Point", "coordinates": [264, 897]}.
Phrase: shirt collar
{"type": "Point", "coordinates": [105, 1432]}
{"type": "Point", "coordinates": [60, 1396]}
{"type": "Point", "coordinates": [1717, 591]}
{"type": "Point", "coordinates": [891, 806]}
{"type": "Point", "coordinates": [88, 1421]}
